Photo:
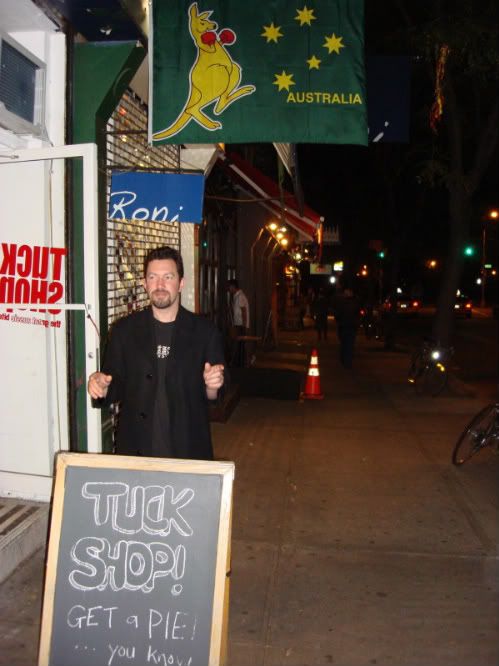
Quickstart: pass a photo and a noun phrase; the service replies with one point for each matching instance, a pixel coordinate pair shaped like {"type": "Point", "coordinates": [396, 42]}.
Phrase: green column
{"type": "Point", "coordinates": [101, 74]}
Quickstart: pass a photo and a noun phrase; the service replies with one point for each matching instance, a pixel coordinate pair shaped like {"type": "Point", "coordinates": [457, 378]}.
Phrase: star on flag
{"type": "Point", "coordinates": [271, 32]}
{"type": "Point", "coordinates": [305, 16]}
{"type": "Point", "coordinates": [283, 81]}
{"type": "Point", "coordinates": [334, 44]}
{"type": "Point", "coordinates": [313, 62]}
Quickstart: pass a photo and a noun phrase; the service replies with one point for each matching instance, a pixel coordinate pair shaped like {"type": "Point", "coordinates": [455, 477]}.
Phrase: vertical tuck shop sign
{"type": "Point", "coordinates": [138, 562]}
{"type": "Point", "coordinates": [160, 197]}
{"type": "Point", "coordinates": [31, 274]}
{"type": "Point", "coordinates": [241, 72]}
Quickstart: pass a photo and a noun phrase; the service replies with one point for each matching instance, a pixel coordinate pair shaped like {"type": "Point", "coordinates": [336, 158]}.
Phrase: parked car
{"type": "Point", "coordinates": [463, 307]}
{"type": "Point", "coordinates": [405, 305]}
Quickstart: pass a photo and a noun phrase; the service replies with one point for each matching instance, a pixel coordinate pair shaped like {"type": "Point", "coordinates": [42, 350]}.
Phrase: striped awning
{"type": "Point", "coordinates": [267, 193]}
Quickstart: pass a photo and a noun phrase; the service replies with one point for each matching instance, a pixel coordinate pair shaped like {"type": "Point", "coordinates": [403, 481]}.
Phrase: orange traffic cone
{"type": "Point", "coordinates": [313, 384]}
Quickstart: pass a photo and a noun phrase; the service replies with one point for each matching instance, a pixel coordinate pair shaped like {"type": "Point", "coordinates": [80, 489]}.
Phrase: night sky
{"type": "Point", "coordinates": [382, 191]}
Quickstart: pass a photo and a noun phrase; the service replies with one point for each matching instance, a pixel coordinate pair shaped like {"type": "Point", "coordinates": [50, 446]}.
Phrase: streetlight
{"type": "Point", "coordinates": [492, 215]}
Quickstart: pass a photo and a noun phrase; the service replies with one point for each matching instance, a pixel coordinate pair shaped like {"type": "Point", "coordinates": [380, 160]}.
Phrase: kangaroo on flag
{"type": "Point", "coordinates": [240, 72]}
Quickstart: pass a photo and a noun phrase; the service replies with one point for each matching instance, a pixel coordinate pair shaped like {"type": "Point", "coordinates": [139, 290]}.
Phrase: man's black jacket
{"type": "Point", "coordinates": [130, 358]}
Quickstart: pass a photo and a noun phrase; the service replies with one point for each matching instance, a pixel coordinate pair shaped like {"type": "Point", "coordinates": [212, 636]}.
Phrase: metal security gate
{"type": "Point", "coordinates": [129, 240]}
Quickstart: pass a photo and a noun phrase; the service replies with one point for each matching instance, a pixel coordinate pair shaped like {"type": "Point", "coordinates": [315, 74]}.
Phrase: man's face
{"type": "Point", "coordinates": [162, 283]}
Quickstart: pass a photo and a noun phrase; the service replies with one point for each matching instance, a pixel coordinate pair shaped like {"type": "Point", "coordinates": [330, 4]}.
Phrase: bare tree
{"type": "Point", "coordinates": [458, 40]}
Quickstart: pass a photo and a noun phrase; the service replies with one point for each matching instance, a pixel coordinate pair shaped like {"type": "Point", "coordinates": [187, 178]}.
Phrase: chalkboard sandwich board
{"type": "Point", "coordinates": [138, 562]}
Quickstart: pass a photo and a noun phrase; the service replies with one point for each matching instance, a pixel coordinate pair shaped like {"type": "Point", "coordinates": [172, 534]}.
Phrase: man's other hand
{"type": "Point", "coordinates": [213, 376]}
{"type": "Point", "coordinates": [98, 384]}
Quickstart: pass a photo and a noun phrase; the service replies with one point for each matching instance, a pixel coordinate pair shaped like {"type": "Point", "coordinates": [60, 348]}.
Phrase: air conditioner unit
{"type": "Point", "coordinates": [22, 88]}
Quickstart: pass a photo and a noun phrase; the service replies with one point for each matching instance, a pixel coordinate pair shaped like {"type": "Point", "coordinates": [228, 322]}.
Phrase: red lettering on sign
{"type": "Point", "coordinates": [58, 253]}
{"type": "Point", "coordinates": [24, 253]}
{"type": "Point", "coordinates": [41, 262]}
{"type": "Point", "coordinates": [39, 292]}
{"type": "Point", "coordinates": [7, 289]}
{"type": "Point", "coordinates": [22, 291]}
{"type": "Point", "coordinates": [28, 270]}
{"type": "Point", "coordinates": [8, 266]}
{"type": "Point", "coordinates": [56, 291]}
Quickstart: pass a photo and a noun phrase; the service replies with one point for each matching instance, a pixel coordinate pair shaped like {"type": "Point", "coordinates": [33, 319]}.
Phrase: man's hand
{"type": "Point", "coordinates": [98, 384]}
{"type": "Point", "coordinates": [213, 376]}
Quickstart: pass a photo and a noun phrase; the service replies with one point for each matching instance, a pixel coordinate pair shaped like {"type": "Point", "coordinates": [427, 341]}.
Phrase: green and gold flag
{"type": "Point", "coordinates": [237, 71]}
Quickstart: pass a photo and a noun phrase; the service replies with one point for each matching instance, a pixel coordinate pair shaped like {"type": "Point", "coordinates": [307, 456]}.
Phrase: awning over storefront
{"type": "Point", "coordinates": [267, 193]}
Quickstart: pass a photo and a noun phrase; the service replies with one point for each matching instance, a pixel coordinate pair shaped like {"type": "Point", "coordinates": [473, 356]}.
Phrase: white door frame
{"type": "Point", "coordinates": [88, 153]}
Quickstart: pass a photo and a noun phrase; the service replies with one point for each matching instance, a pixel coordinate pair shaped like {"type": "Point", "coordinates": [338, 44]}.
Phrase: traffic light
{"type": "Point", "coordinates": [381, 254]}
{"type": "Point", "coordinates": [469, 251]}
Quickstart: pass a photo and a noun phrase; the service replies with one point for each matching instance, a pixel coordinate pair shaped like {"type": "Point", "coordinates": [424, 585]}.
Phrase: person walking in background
{"type": "Point", "coordinates": [347, 315]}
{"type": "Point", "coordinates": [309, 305]}
{"type": "Point", "coordinates": [240, 319]}
{"type": "Point", "coordinates": [162, 364]}
{"type": "Point", "coordinates": [321, 308]}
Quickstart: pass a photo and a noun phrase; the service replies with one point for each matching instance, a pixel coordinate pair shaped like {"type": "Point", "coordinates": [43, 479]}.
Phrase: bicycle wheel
{"type": "Point", "coordinates": [416, 369]}
{"type": "Point", "coordinates": [434, 380]}
{"type": "Point", "coordinates": [475, 436]}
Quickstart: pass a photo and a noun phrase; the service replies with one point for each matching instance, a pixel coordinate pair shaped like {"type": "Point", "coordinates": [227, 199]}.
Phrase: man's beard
{"type": "Point", "coordinates": [161, 299]}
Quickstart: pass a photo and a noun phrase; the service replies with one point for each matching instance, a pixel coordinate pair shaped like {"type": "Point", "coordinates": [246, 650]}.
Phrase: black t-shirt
{"type": "Point", "coordinates": [161, 440]}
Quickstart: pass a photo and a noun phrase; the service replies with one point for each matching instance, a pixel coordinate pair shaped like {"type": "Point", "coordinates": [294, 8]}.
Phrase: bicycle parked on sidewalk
{"type": "Point", "coordinates": [370, 320]}
{"type": "Point", "coordinates": [428, 371]}
{"type": "Point", "coordinates": [482, 431]}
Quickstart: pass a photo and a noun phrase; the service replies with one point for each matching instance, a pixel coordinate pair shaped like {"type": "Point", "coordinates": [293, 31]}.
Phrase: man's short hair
{"type": "Point", "coordinates": [165, 252]}
{"type": "Point", "coordinates": [233, 283]}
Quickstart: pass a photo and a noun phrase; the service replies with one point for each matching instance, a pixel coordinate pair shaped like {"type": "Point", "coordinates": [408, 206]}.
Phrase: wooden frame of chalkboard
{"type": "Point", "coordinates": [138, 562]}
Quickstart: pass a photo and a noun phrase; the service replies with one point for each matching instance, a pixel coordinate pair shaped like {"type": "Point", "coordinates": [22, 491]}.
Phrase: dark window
{"type": "Point", "coordinates": [17, 82]}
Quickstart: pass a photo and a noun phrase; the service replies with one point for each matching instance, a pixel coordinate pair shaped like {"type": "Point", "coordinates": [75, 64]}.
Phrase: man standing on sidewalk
{"type": "Point", "coordinates": [162, 364]}
{"type": "Point", "coordinates": [240, 319]}
{"type": "Point", "coordinates": [347, 315]}
{"type": "Point", "coordinates": [321, 310]}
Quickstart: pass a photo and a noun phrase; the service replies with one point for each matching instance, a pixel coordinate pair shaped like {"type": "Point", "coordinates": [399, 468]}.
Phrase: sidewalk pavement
{"type": "Point", "coordinates": [355, 541]}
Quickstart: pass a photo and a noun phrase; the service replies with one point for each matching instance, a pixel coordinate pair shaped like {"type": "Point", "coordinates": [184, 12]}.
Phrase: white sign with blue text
{"type": "Point", "coordinates": [156, 197]}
